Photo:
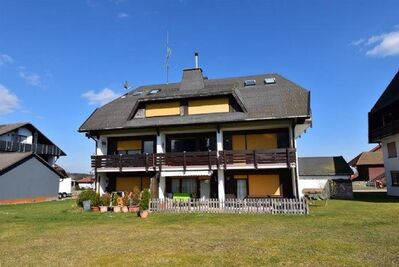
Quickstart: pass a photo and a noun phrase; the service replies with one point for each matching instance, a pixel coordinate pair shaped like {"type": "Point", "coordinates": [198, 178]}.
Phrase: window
{"type": "Point", "coordinates": [241, 189]}
{"type": "Point", "coordinates": [175, 185]}
{"type": "Point", "coordinates": [21, 138]}
{"type": "Point", "coordinates": [395, 178]}
{"type": "Point", "coordinates": [392, 153]}
{"type": "Point", "coordinates": [189, 185]}
{"type": "Point", "coordinates": [154, 91]}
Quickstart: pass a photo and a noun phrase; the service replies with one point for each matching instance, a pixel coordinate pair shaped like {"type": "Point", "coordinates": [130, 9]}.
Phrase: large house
{"type": "Point", "coordinates": [384, 129]}
{"type": "Point", "coordinates": [26, 160]}
{"type": "Point", "coordinates": [210, 138]}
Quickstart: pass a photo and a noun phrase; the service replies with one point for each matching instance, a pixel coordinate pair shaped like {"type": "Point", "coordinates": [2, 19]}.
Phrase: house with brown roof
{"type": "Point", "coordinates": [369, 166]}
{"type": "Point", "coordinates": [209, 138]}
{"type": "Point", "coordinates": [384, 129]}
{"type": "Point", "coordinates": [26, 159]}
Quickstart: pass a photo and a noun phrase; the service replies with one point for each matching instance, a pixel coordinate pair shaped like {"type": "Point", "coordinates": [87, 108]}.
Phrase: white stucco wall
{"type": "Point", "coordinates": [391, 164]}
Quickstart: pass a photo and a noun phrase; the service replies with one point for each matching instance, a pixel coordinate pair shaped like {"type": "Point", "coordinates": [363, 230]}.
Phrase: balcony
{"type": "Point", "coordinates": [185, 161]}
{"type": "Point", "coordinates": [375, 135]}
{"type": "Point", "coordinates": [258, 159]}
{"type": "Point", "coordinates": [41, 149]}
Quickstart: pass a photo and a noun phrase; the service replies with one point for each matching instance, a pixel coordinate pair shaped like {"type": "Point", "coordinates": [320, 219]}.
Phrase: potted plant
{"type": "Point", "coordinates": [115, 203]}
{"type": "Point", "coordinates": [105, 202]}
{"type": "Point", "coordinates": [134, 200]}
{"type": "Point", "coordinates": [89, 195]}
{"type": "Point", "coordinates": [95, 203]}
{"type": "Point", "coordinates": [144, 203]}
{"type": "Point", "coordinates": [125, 203]}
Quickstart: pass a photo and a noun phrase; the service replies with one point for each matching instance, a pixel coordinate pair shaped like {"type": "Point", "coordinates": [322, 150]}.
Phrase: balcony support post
{"type": "Point", "coordinates": [221, 192]}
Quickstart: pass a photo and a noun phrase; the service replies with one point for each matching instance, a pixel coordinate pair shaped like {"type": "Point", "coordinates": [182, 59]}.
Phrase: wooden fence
{"type": "Point", "coordinates": [251, 205]}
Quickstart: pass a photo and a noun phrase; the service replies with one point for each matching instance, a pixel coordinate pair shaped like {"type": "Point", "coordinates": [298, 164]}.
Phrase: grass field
{"type": "Point", "coordinates": [362, 232]}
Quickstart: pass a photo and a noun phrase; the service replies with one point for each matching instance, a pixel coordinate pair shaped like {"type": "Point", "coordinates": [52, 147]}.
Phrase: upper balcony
{"type": "Point", "coordinates": [378, 133]}
{"type": "Point", "coordinates": [41, 149]}
{"type": "Point", "coordinates": [185, 161]}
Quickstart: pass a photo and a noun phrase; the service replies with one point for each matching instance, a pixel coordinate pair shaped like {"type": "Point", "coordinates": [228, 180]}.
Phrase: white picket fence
{"type": "Point", "coordinates": [252, 205]}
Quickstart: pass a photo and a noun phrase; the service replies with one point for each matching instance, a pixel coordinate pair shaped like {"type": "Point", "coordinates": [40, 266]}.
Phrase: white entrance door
{"type": "Point", "coordinates": [205, 189]}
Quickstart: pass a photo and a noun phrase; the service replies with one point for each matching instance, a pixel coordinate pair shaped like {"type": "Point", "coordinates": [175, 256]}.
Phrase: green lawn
{"type": "Point", "coordinates": [362, 232]}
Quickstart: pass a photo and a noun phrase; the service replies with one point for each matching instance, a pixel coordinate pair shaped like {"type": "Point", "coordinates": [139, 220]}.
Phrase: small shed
{"type": "Point", "coordinates": [26, 177]}
{"type": "Point", "coordinates": [330, 175]}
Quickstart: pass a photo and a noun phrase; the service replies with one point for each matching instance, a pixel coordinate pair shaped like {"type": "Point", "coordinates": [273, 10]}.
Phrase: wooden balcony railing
{"type": "Point", "coordinates": [42, 149]}
{"type": "Point", "coordinates": [375, 135]}
{"type": "Point", "coordinates": [284, 158]}
{"type": "Point", "coordinates": [257, 158]}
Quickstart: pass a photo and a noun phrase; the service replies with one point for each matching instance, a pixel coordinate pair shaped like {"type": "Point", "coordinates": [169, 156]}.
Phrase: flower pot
{"type": "Point", "coordinates": [117, 209]}
{"type": "Point", "coordinates": [143, 214]}
{"type": "Point", "coordinates": [125, 209]}
{"type": "Point", "coordinates": [134, 209]}
{"type": "Point", "coordinates": [103, 209]}
{"type": "Point", "coordinates": [95, 209]}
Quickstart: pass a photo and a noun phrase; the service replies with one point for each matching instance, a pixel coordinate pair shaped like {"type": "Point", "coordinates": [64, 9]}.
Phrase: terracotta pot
{"type": "Point", "coordinates": [143, 214]}
{"type": "Point", "coordinates": [133, 209]}
{"type": "Point", "coordinates": [103, 209]}
{"type": "Point", "coordinates": [125, 209]}
{"type": "Point", "coordinates": [117, 209]}
{"type": "Point", "coordinates": [95, 209]}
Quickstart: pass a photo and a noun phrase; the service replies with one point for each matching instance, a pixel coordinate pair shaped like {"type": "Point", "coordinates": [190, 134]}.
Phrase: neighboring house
{"type": "Point", "coordinates": [26, 159]}
{"type": "Point", "coordinates": [86, 183]}
{"type": "Point", "coordinates": [26, 177]}
{"type": "Point", "coordinates": [369, 165]}
{"type": "Point", "coordinates": [331, 175]}
{"type": "Point", "coordinates": [211, 138]}
{"type": "Point", "coordinates": [384, 129]}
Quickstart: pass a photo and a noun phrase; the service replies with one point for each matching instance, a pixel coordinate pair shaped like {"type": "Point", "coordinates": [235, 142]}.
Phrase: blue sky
{"type": "Point", "coordinates": [59, 60]}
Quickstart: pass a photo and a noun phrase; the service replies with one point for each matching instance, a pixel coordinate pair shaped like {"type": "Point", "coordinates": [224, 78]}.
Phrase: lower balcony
{"type": "Point", "coordinates": [186, 161]}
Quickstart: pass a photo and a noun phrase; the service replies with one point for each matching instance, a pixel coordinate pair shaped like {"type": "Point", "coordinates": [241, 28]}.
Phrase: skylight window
{"type": "Point", "coordinates": [250, 83]}
{"type": "Point", "coordinates": [154, 91]}
{"type": "Point", "coordinates": [137, 93]}
{"type": "Point", "coordinates": [270, 80]}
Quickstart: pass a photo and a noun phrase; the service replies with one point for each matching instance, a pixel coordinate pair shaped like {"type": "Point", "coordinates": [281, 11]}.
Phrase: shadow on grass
{"type": "Point", "coordinates": [376, 197]}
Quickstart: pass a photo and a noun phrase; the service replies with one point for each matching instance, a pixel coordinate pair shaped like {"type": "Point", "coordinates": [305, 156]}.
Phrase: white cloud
{"type": "Point", "coordinates": [9, 102]}
{"type": "Point", "coordinates": [30, 77]}
{"type": "Point", "coordinates": [358, 42]}
{"type": "Point", "coordinates": [102, 97]}
{"type": "Point", "coordinates": [384, 45]}
{"type": "Point", "coordinates": [5, 59]}
{"type": "Point", "coordinates": [122, 15]}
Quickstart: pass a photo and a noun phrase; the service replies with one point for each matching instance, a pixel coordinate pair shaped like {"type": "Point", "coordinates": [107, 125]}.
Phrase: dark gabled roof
{"type": "Point", "coordinates": [390, 95]}
{"type": "Point", "coordinates": [6, 128]}
{"type": "Point", "coordinates": [9, 161]}
{"type": "Point", "coordinates": [318, 166]}
{"type": "Point", "coordinates": [280, 100]}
